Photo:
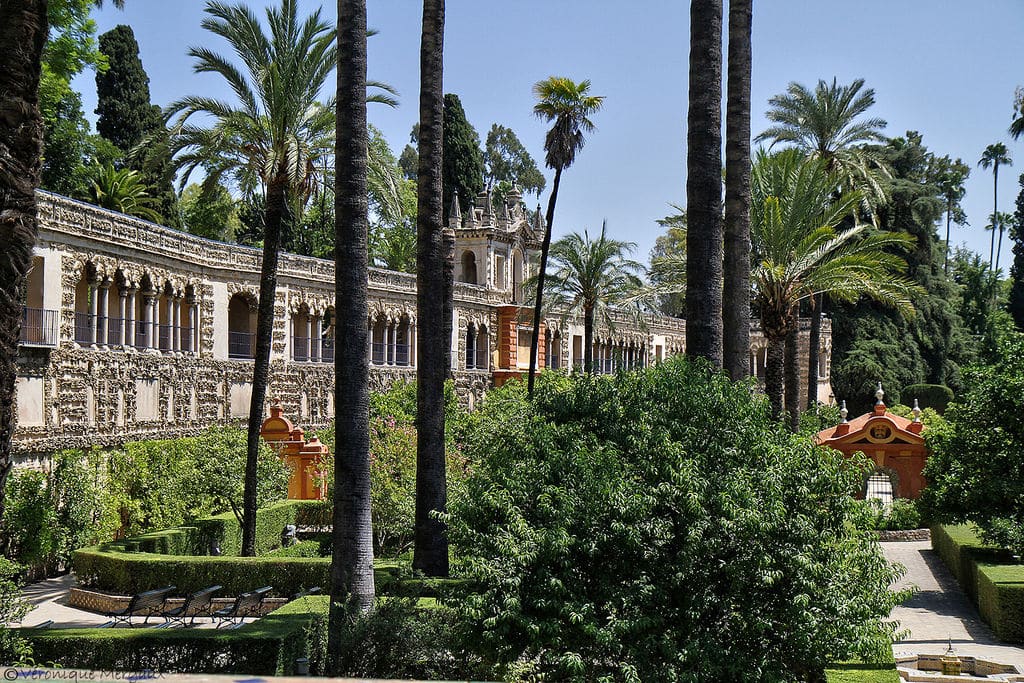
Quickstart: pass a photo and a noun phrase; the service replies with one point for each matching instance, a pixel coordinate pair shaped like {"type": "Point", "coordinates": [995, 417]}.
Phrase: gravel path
{"type": "Point", "coordinates": [940, 611]}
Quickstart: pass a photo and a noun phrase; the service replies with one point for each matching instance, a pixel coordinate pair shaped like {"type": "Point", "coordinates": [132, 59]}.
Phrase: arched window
{"type": "Point", "coordinates": [327, 337]}
{"type": "Point", "coordinates": [38, 324]}
{"type": "Point", "coordinates": [403, 342]}
{"type": "Point", "coordinates": [553, 350]}
{"type": "Point", "coordinates": [471, 346]}
{"type": "Point", "coordinates": [85, 306]}
{"type": "Point", "coordinates": [518, 275]}
{"type": "Point", "coordinates": [468, 268]}
{"type": "Point", "coordinates": [378, 341]}
{"type": "Point", "coordinates": [165, 318]}
{"type": "Point", "coordinates": [881, 487]}
{"type": "Point", "coordinates": [483, 349]}
{"type": "Point", "coordinates": [241, 328]}
{"type": "Point", "coordinates": [301, 334]}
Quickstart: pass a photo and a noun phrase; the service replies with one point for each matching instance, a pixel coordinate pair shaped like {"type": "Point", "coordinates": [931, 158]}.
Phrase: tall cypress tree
{"type": "Point", "coordinates": [1016, 302]}
{"type": "Point", "coordinates": [463, 160]}
{"type": "Point", "coordinates": [127, 117]}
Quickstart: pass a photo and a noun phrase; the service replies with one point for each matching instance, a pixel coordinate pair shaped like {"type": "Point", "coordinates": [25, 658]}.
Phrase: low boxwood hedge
{"type": "Point", "coordinates": [268, 646]}
{"type": "Point", "coordinates": [989, 576]}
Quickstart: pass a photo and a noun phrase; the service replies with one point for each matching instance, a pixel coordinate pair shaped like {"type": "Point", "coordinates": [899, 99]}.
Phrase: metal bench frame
{"type": "Point", "coordinates": [245, 605]}
{"type": "Point", "coordinates": [199, 604]}
{"type": "Point", "coordinates": [149, 603]}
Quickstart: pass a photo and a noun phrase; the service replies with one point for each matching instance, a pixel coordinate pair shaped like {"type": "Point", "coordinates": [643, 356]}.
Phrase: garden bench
{"type": "Point", "coordinates": [199, 604]}
{"type": "Point", "coordinates": [149, 603]}
{"type": "Point", "coordinates": [245, 605]}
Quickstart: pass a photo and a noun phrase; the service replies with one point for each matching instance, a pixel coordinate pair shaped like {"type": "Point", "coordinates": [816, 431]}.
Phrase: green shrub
{"type": "Point", "coordinates": [268, 646]}
{"type": "Point", "coordinates": [656, 524]}
{"type": "Point", "coordinates": [13, 608]}
{"type": "Point", "coordinates": [975, 471]}
{"type": "Point", "coordinates": [934, 396]}
{"type": "Point", "coordinates": [902, 514]}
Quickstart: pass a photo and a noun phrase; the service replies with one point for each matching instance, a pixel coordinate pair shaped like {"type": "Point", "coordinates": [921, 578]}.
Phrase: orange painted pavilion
{"type": "Point", "coordinates": [892, 442]}
{"type": "Point", "coordinates": [305, 458]}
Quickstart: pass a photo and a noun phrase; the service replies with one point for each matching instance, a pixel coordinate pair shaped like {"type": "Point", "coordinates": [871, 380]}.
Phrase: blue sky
{"type": "Point", "coordinates": [945, 68]}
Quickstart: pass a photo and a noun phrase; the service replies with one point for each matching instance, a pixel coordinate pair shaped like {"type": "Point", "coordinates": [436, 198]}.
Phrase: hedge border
{"type": "Point", "coordinates": [989, 576]}
{"type": "Point", "coordinates": [268, 646]}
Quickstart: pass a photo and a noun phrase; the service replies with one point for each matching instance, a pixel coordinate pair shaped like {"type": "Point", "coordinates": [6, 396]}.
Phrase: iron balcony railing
{"type": "Point", "coordinates": [38, 327]}
{"type": "Point", "coordinates": [327, 351]}
{"type": "Point", "coordinates": [84, 326]}
{"type": "Point", "coordinates": [241, 345]}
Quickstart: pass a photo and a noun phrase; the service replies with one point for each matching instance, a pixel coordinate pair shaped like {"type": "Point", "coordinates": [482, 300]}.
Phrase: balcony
{"type": "Point", "coordinates": [38, 327]}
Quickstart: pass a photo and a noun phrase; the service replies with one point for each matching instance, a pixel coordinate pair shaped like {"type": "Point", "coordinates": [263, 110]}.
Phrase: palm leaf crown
{"type": "Point", "coordinates": [570, 106]}
{"type": "Point", "coordinates": [798, 252]}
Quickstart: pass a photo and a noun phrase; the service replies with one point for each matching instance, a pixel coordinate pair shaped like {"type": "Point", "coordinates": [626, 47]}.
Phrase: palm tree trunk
{"type": "Point", "coordinates": [995, 216]}
{"type": "Point", "coordinates": [22, 33]}
{"type": "Point", "coordinates": [704, 184]}
{"type": "Point", "coordinates": [736, 287]}
{"type": "Point", "coordinates": [814, 344]}
{"type": "Point", "coordinates": [949, 215]}
{"type": "Point", "coordinates": [352, 534]}
{"type": "Point", "coordinates": [999, 249]}
{"type": "Point", "coordinates": [273, 217]}
{"type": "Point", "coordinates": [792, 372]}
{"type": "Point", "coordinates": [588, 340]}
{"type": "Point", "coordinates": [544, 248]}
{"type": "Point", "coordinates": [774, 373]}
{"type": "Point", "coordinates": [430, 553]}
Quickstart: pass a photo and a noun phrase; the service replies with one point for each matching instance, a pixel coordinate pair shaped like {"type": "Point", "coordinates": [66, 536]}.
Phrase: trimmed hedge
{"type": "Point", "coordinates": [863, 672]}
{"type": "Point", "coordinates": [268, 646]}
{"type": "Point", "coordinates": [934, 396]}
{"type": "Point", "coordinates": [989, 576]}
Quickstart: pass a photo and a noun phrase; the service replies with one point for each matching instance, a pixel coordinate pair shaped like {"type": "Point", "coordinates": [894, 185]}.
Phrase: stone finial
{"type": "Point", "coordinates": [505, 213]}
{"type": "Point", "coordinates": [537, 226]}
{"type": "Point", "coordinates": [843, 412]}
{"type": "Point", "coordinates": [880, 394]}
{"type": "Point", "coordinates": [470, 220]}
{"type": "Point", "coordinates": [488, 206]}
{"type": "Point", "coordinates": [917, 411]}
{"type": "Point", "coordinates": [455, 213]}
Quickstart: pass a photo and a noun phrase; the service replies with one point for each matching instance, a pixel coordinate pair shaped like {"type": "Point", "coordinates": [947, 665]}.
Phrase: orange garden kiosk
{"type": "Point", "coordinates": [305, 458]}
{"type": "Point", "coordinates": [892, 442]}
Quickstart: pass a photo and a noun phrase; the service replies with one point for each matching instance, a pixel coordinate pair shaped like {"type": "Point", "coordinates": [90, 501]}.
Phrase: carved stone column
{"type": "Point", "coordinates": [123, 311]}
{"type": "Point", "coordinates": [103, 313]}
{"type": "Point", "coordinates": [93, 311]}
{"type": "Point", "coordinates": [129, 323]}
{"type": "Point", "coordinates": [176, 324]}
{"type": "Point", "coordinates": [318, 341]}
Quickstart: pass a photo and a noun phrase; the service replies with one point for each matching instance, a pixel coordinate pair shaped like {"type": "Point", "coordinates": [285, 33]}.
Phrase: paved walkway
{"type": "Point", "coordinates": [939, 611]}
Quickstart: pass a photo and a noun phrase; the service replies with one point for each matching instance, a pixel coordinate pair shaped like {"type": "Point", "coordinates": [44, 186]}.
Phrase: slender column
{"type": "Point", "coordinates": [309, 337]}
{"type": "Point", "coordinates": [93, 304]}
{"type": "Point", "coordinates": [389, 343]}
{"type": "Point", "coordinates": [318, 344]}
{"type": "Point", "coordinates": [123, 310]}
{"type": "Point", "coordinates": [103, 310]}
{"type": "Point", "coordinates": [194, 321]}
{"type": "Point", "coordinates": [176, 330]}
{"type": "Point", "coordinates": [130, 317]}
{"type": "Point", "coordinates": [149, 308]}
{"type": "Point", "coordinates": [373, 329]}
{"type": "Point", "coordinates": [412, 344]}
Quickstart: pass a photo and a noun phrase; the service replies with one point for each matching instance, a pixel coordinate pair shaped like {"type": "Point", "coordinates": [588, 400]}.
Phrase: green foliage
{"type": "Point", "coordinates": [860, 674]}
{"type": "Point", "coordinates": [975, 471]}
{"type": "Point", "coordinates": [658, 525]}
{"type": "Point", "coordinates": [668, 265]}
{"type": "Point", "coordinates": [900, 514]}
{"type": "Point", "coordinates": [462, 170]}
{"type": "Point", "coordinates": [268, 646]}
{"type": "Point", "coordinates": [393, 208]}
{"type": "Point", "coordinates": [507, 162]}
{"type": "Point", "coordinates": [872, 343]}
{"type": "Point", "coordinates": [121, 190]}
{"type": "Point", "coordinates": [125, 114]}
{"type": "Point", "coordinates": [929, 416]}
{"type": "Point", "coordinates": [1015, 303]}
{"type": "Point", "coordinates": [209, 211]}
{"type": "Point", "coordinates": [401, 640]}
{"type": "Point", "coordinates": [933, 396]}
{"type": "Point", "coordinates": [13, 608]}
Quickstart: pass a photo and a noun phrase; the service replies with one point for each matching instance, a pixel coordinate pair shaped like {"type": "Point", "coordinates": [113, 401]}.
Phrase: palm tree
{"type": "Point", "coordinates": [827, 124]}
{"type": "Point", "coordinates": [704, 247]}
{"type": "Point", "coordinates": [994, 156]}
{"type": "Point", "coordinates": [589, 277]}
{"type": "Point", "coordinates": [800, 251]}
{"type": "Point", "coordinates": [430, 554]}
{"type": "Point", "coordinates": [23, 29]}
{"type": "Point", "coordinates": [951, 176]}
{"type": "Point", "coordinates": [352, 554]}
{"type": "Point", "coordinates": [569, 105]}
{"type": "Point", "coordinates": [1017, 125]}
{"type": "Point", "coordinates": [736, 265]}
{"type": "Point", "coordinates": [1000, 221]}
{"type": "Point", "coordinates": [121, 190]}
{"type": "Point", "coordinates": [270, 141]}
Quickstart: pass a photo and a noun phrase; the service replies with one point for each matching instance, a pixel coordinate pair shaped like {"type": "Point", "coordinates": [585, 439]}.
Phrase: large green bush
{"type": "Point", "coordinates": [658, 525]}
{"type": "Point", "coordinates": [935, 396]}
{"type": "Point", "coordinates": [975, 469]}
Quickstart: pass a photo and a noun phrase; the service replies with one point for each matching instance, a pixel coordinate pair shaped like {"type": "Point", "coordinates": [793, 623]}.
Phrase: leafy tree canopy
{"type": "Point", "coordinates": [508, 162]}
{"type": "Point", "coordinates": [659, 525]}
{"type": "Point", "coordinates": [668, 265]}
{"type": "Point", "coordinates": [1015, 305]}
{"type": "Point", "coordinates": [210, 211]}
{"type": "Point", "coordinates": [125, 112]}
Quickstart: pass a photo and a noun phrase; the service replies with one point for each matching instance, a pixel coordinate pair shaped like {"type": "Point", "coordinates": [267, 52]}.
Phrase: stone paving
{"type": "Point", "coordinates": [939, 611]}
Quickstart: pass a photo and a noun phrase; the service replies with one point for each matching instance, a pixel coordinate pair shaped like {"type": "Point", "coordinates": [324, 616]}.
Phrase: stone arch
{"type": "Point", "coordinates": [468, 271]}
{"type": "Point", "coordinates": [881, 483]}
{"type": "Point", "coordinates": [241, 327]}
